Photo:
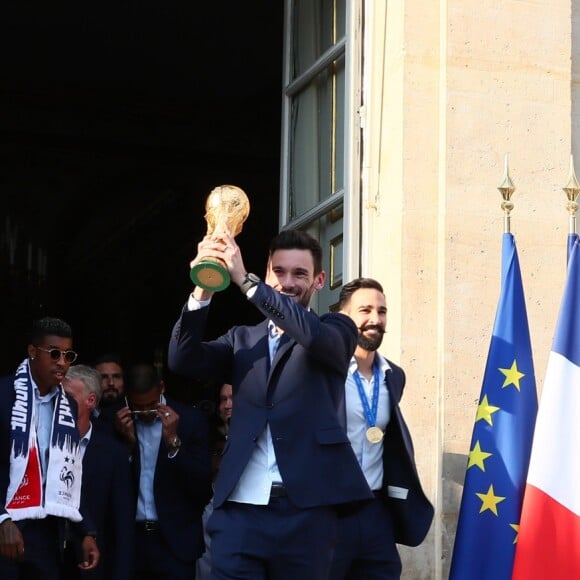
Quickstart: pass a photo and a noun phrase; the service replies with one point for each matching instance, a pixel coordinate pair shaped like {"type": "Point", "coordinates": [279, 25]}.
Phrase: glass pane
{"type": "Point", "coordinates": [317, 25]}
{"type": "Point", "coordinates": [317, 140]}
{"type": "Point", "coordinates": [328, 230]}
{"type": "Point", "coordinates": [339, 128]}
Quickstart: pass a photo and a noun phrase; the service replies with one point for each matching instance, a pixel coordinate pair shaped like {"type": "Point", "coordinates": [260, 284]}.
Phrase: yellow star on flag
{"type": "Point", "coordinates": [512, 376]}
{"type": "Point", "coordinates": [485, 410]}
{"type": "Point", "coordinates": [516, 527]}
{"type": "Point", "coordinates": [477, 457]}
{"type": "Point", "coordinates": [489, 500]}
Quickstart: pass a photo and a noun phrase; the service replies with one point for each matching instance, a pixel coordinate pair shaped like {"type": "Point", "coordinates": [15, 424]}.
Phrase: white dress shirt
{"type": "Point", "coordinates": [44, 411]}
{"type": "Point", "coordinates": [84, 442]}
{"type": "Point", "coordinates": [262, 468]}
{"type": "Point", "coordinates": [148, 439]}
{"type": "Point", "coordinates": [369, 455]}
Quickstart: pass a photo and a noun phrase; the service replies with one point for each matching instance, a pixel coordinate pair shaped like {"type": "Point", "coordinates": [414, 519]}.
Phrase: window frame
{"type": "Point", "coordinates": [349, 47]}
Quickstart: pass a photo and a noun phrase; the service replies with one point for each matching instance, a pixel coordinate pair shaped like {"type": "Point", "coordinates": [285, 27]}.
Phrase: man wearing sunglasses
{"type": "Point", "coordinates": [40, 476]}
{"type": "Point", "coordinates": [169, 449]}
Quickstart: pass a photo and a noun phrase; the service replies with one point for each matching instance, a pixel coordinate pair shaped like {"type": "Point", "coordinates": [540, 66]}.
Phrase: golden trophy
{"type": "Point", "coordinates": [226, 207]}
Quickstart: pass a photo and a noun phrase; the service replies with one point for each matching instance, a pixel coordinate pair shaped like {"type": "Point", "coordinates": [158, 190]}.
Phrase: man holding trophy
{"type": "Point", "coordinates": [287, 463]}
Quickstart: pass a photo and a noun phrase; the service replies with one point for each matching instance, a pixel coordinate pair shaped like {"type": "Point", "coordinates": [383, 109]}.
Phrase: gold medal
{"type": "Point", "coordinates": [374, 434]}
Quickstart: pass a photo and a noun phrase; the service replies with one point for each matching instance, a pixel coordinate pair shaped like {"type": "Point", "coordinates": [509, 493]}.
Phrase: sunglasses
{"type": "Point", "coordinates": [54, 353]}
{"type": "Point", "coordinates": [142, 414]}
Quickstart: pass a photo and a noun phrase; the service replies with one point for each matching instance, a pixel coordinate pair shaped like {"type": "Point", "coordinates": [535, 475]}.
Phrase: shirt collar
{"type": "Point", "coordinates": [87, 437]}
{"type": "Point", "coordinates": [383, 364]}
{"type": "Point", "coordinates": [272, 330]}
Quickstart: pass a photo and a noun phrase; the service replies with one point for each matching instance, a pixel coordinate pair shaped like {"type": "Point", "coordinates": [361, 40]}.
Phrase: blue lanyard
{"type": "Point", "coordinates": [370, 414]}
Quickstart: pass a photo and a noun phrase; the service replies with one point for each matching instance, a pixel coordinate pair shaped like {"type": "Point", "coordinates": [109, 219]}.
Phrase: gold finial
{"type": "Point", "coordinates": [506, 188]}
{"type": "Point", "coordinates": [572, 189]}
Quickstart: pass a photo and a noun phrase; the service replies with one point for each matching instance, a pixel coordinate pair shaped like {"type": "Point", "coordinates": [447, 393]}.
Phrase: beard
{"type": "Point", "coordinates": [110, 397]}
{"type": "Point", "coordinates": [370, 344]}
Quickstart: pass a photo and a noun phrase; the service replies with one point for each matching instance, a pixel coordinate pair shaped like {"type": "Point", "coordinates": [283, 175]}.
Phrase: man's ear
{"type": "Point", "coordinates": [92, 400]}
{"type": "Point", "coordinates": [319, 280]}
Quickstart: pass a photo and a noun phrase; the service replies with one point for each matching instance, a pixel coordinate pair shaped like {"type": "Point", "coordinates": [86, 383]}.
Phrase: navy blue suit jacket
{"type": "Point", "coordinates": [182, 484]}
{"type": "Point", "coordinates": [108, 497]}
{"type": "Point", "coordinates": [412, 512]}
{"type": "Point", "coordinates": [300, 396]}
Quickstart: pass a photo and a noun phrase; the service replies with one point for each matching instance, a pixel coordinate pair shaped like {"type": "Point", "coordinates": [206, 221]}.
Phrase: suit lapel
{"type": "Point", "coordinates": [393, 388]}
{"type": "Point", "coordinates": [93, 450]}
{"type": "Point", "coordinates": [286, 344]}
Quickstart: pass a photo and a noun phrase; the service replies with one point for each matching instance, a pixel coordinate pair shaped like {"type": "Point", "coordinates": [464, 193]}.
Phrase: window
{"type": "Point", "coordinates": [315, 155]}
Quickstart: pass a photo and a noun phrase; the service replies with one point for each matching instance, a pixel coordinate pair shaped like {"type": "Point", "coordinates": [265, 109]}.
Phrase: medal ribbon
{"type": "Point", "coordinates": [370, 414]}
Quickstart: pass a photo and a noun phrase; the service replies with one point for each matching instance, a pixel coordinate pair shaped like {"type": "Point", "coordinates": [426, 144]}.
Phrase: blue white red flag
{"type": "Point", "coordinates": [549, 539]}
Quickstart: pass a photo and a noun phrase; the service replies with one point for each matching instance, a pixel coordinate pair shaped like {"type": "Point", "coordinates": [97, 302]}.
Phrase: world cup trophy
{"type": "Point", "coordinates": [226, 207]}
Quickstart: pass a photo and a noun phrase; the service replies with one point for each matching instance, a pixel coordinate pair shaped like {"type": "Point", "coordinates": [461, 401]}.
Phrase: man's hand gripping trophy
{"type": "Point", "coordinates": [227, 208]}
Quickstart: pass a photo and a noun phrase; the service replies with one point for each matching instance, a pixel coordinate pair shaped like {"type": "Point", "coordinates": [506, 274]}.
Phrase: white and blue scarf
{"type": "Point", "coordinates": [27, 498]}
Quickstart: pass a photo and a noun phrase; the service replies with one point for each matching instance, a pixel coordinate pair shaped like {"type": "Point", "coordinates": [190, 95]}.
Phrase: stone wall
{"type": "Point", "coordinates": [449, 91]}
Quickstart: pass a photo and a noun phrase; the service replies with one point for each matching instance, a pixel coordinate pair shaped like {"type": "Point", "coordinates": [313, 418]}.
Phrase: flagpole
{"type": "Point", "coordinates": [572, 189]}
{"type": "Point", "coordinates": [506, 188]}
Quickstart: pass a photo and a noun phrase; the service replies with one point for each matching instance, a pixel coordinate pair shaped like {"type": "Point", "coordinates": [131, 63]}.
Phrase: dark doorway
{"type": "Point", "coordinates": [118, 119]}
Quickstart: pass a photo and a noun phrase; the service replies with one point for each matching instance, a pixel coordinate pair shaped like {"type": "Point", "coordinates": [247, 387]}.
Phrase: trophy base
{"type": "Point", "coordinates": [210, 276]}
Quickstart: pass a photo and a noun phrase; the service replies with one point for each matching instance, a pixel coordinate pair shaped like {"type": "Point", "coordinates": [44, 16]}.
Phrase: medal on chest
{"type": "Point", "coordinates": [373, 433]}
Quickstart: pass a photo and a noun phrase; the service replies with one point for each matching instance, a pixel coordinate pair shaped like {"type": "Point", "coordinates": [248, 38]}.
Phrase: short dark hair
{"type": "Point", "coordinates": [349, 289]}
{"type": "Point", "coordinates": [141, 378]}
{"type": "Point", "coordinates": [298, 240]}
{"type": "Point", "coordinates": [48, 326]}
{"type": "Point", "coordinates": [108, 357]}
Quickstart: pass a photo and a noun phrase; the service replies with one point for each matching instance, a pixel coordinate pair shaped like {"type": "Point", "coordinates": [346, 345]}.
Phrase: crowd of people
{"type": "Point", "coordinates": [306, 471]}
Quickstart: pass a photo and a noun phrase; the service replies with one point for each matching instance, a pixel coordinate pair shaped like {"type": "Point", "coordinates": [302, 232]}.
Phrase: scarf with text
{"type": "Point", "coordinates": [26, 498]}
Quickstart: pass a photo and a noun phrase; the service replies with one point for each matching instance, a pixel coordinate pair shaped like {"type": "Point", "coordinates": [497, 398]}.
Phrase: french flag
{"type": "Point", "coordinates": [548, 544]}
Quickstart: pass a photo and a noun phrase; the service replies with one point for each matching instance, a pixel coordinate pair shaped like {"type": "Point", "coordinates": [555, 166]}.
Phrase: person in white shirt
{"type": "Point", "coordinates": [38, 428]}
{"type": "Point", "coordinates": [287, 462]}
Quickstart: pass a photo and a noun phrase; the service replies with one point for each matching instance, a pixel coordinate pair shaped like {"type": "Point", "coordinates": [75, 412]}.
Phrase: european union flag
{"type": "Point", "coordinates": [499, 454]}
